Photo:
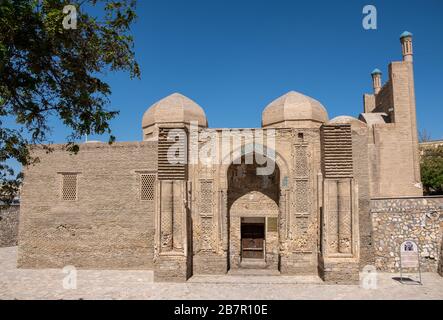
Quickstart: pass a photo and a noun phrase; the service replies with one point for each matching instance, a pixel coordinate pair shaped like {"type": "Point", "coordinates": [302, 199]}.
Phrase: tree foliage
{"type": "Point", "coordinates": [47, 71]}
{"type": "Point", "coordinates": [432, 169]}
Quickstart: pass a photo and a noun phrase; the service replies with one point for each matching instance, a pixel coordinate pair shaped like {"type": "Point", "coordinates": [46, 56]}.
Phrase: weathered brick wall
{"type": "Point", "coordinates": [108, 226]}
{"type": "Point", "coordinates": [9, 226]}
{"type": "Point", "coordinates": [384, 99]}
{"type": "Point", "coordinates": [397, 220]}
{"type": "Point", "coordinates": [394, 157]}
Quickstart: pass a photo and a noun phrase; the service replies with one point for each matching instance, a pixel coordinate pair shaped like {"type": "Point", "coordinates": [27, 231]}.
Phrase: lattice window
{"type": "Point", "coordinates": [147, 187]}
{"type": "Point", "coordinates": [206, 197]}
{"type": "Point", "coordinates": [69, 186]}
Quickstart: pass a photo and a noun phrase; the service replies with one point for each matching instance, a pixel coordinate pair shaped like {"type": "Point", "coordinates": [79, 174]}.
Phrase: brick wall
{"type": "Point", "coordinates": [9, 226]}
{"type": "Point", "coordinates": [397, 220]}
{"type": "Point", "coordinates": [108, 226]}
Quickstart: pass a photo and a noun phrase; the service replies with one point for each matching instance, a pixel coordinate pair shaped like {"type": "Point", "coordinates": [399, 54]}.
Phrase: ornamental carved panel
{"type": "Point", "coordinates": [302, 195]}
{"type": "Point", "coordinates": [206, 197]}
{"type": "Point", "coordinates": [207, 234]}
{"type": "Point", "coordinates": [301, 162]}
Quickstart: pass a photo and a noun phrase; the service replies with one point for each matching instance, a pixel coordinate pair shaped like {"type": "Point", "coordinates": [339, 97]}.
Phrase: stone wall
{"type": "Point", "coordinates": [397, 220]}
{"type": "Point", "coordinates": [9, 226]}
{"type": "Point", "coordinates": [107, 226]}
{"type": "Point", "coordinates": [440, 264]}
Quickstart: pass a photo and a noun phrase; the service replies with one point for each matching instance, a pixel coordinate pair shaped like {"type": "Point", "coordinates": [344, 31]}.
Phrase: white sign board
{"type": "Point", "coordinates": [409, 254]}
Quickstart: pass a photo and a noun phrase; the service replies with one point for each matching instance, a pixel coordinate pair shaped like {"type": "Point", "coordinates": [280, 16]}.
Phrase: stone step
{"type": "Point", "coordinates": [253, 272]}
{"type": "Point", "coordinates": [256, 279]}
{"type": "Point", "coordinates": [253, 264]}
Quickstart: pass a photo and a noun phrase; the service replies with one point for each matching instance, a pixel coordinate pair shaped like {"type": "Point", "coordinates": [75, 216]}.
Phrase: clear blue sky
{"type": "Point", "coordinates": [233, 57]}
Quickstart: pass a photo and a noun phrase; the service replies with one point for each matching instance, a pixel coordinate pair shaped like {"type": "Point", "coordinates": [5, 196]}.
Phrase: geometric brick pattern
{"type": "Point", "coordinates": [207, 233]}
{"type": "Point", "coordinates": [337, 151]}
{"type": "Point", "coordinates": [147, 187]}
{"type": "Point", "coordinates": [301, 162]}
{"type": "Point", "coordinates": [69, 187]}
{"type": "Point", "coordinates": [301, 196]}
{"type": "Point", "coordinates": [206, 197]}
{"type": "Point", "coordinates": [172, 154]}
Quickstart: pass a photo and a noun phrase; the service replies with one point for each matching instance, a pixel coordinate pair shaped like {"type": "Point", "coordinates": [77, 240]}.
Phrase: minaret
{"type": "Point", "coordinates": [376, 80]}
{"type": "Point", "coordinates": [406, 46]}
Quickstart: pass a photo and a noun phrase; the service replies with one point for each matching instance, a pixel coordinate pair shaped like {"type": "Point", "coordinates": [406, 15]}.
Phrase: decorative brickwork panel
{"type": "Point", "coordinates": [345, 232]}
{"type": "Point", "coordinates": [206, 202]}
{"type": "Point", "coordinates": [166, 231]}
{"type": "Point", "coordinates": [69, 187]}
{"type": "Point", "coordinates": [304, 234]}
{"type": "Point", "coordinates": [166, 215]}
{"type": "Point", "coordinates": [172, 154]}
{"type": "Point", "coordinates": [301, 161]}
{"type": "Point", "coordinates": [147, 187]}
{"type": "Point", "coordinates": [337, 151]}
{"type": "Point", "coordinates": [301, 196]}
{"type": "Point", "coordinates": [207, 233]}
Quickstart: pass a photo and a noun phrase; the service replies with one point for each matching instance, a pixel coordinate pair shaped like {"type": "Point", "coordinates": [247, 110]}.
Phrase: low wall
{"type": "Point", "coordinates": [396, 220]}
{"type": "Point", "coordinates": [440, 265]}
{"type": "Point", "coordinates": [9, 226]}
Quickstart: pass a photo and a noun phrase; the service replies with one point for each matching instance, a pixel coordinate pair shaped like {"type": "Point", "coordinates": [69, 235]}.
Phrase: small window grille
{"type": "Point", "coordinates": [69, 187]}
{"type": "Point", "coordinates": [147, 184]}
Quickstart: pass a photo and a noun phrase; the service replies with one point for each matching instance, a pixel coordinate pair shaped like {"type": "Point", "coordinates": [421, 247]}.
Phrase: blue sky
{"type": "Point", "coordinates": [234, 57]}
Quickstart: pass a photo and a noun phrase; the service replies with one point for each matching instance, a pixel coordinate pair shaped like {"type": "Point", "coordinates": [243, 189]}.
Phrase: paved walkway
{"type": "Point", "coordinates": [48, 284]}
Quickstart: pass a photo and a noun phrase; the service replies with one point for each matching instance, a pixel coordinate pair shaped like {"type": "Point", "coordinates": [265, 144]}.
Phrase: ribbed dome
{"type": "Point", "coordinates": [355, 123]}
{"type": "Point", "coordinates": [294, 106]}
{"type": "Point", "coordinates": [174, 108]}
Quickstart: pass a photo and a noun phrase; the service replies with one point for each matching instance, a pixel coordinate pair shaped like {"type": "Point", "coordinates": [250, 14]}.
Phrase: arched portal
{"type": "Point", "coordinates": [253, 214]}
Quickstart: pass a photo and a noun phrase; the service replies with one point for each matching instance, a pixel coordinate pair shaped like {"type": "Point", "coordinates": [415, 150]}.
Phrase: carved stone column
{"type": "Point", "coordinates": [171, 259]}
{"type": "Point", "coordinates": [344, 216]}
{"type": "Point", "coordinates": [166, 215]}
{"type": "Point", "coordinates": [339, 259]}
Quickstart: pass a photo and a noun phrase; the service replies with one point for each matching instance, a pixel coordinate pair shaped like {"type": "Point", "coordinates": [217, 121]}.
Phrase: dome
{"type": "Point", "coordinates": [172, 109]}
{"type": "Point", "coordinates": [294, 106]}
{"type": "Point", "coordinates": [405, 34]}
{"type": "Point", "coordinates": [376, 71]}
{"type": "Point", "coordinates": [355, 123]}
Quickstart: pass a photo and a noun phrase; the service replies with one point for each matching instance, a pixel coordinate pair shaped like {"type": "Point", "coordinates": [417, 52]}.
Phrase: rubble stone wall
{"type": "Point", "coordinates": [9, 226]}
{"type": "Point", "coordinates": [396, 220]}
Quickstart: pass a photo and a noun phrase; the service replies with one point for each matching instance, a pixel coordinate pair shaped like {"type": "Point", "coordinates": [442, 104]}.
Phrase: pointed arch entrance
{"type": "Point", "coordinates": [253, 200]}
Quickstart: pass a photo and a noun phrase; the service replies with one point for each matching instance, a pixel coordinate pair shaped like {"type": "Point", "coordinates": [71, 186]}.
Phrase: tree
{"type": "Point", "coordinates": [424, 136]}
{"type": "Point", "coordinates": [432, 169]}
{"type": "Point", "coordinates": [50, 70]}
